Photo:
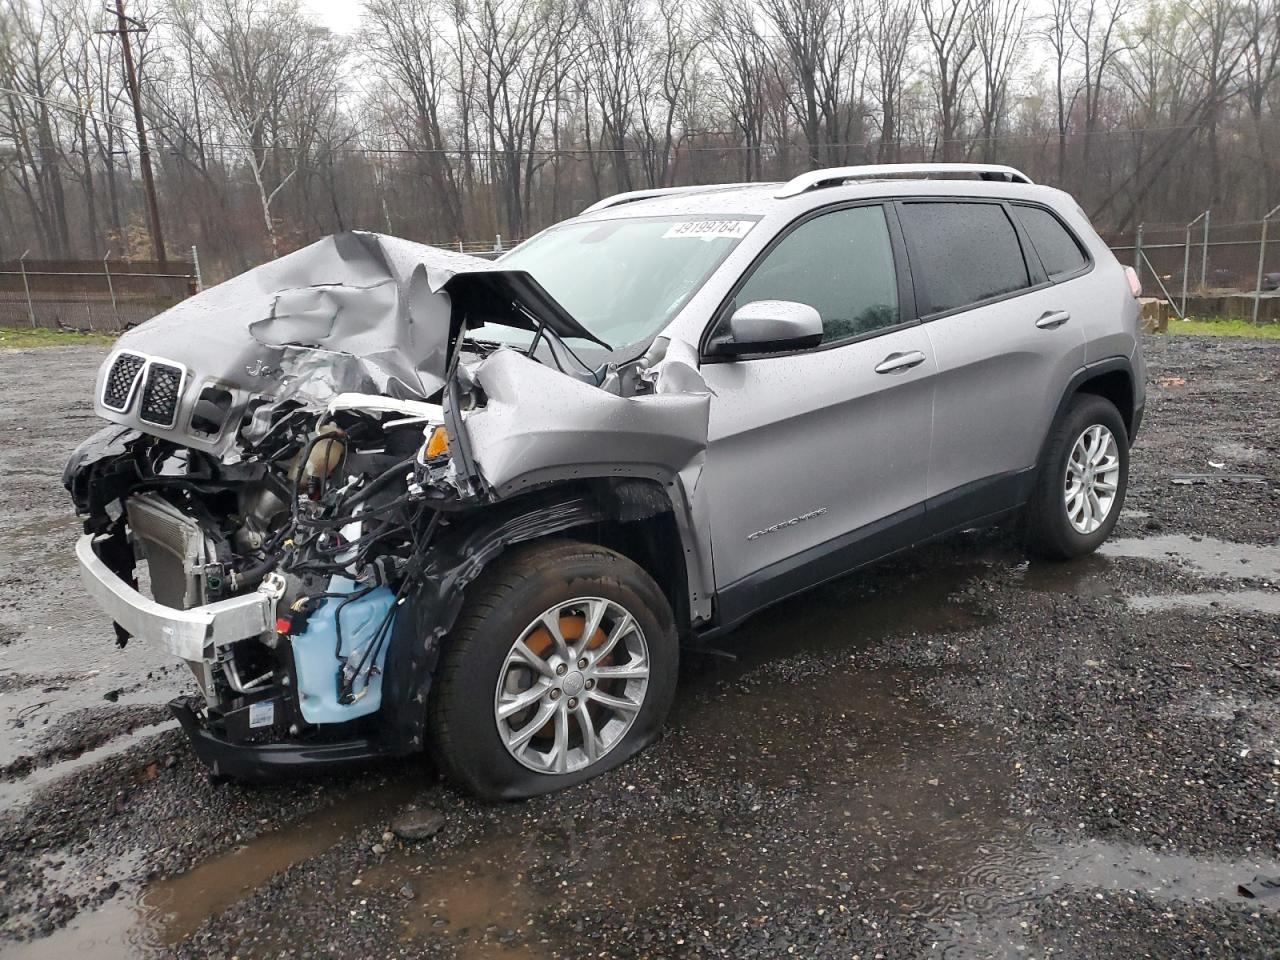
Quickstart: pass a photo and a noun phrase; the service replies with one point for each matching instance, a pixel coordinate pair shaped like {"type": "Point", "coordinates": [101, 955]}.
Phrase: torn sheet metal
{"type": "Point", "coordinates": [537, 421]}
{"type": "Point", "coordinates": [355, 312]}
{"type": "Point", "coordinates": [539, 426]}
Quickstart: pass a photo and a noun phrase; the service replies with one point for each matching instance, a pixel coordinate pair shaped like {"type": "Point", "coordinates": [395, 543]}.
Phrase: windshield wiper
{"type": "Point", "coordinates": [568, 362]}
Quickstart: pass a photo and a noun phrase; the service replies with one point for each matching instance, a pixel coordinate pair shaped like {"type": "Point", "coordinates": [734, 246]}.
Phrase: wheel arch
{"type": "Point", "coordinates": [640, 517]}
{"type": "Point", "coordinates": [1111, 379]}
{"type": "Point", "coordinates": [1114, 383]}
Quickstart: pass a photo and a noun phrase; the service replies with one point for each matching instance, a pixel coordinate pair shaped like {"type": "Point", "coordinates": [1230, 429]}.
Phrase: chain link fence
{"type": "Point", "coordinates": [94, 295]}
{"type": "Point", "coordinates": [1207, 268]}
{"type": "Point", "coordinates": [110, 296]}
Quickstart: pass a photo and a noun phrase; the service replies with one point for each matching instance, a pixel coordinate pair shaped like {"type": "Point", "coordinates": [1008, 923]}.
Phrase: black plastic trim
{"type": "Point", "coordinates": [979, 503]}
{"type": "Point", "coordinates": [826, 561]}
{"type": "Point", "coordinates": [272, 761]}
{"type": "Point", "coordinates": [1088, 372]}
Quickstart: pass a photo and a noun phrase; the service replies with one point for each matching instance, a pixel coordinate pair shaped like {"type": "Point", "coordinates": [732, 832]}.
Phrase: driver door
{"type": "Point", "coordinates": [818, 459]}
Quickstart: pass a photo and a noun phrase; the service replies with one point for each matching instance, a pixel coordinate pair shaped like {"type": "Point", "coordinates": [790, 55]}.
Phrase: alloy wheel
{"type": "Point", "coordinates": [1092, 478]}
{"type": "Point", "coordinates": [571, 685]}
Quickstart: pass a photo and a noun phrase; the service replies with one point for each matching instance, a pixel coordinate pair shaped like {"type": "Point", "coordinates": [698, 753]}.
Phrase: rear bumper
{"type": "Point", "coordinates": [188, 634]}
{"type": "Point", "coordinates": [270, 761]}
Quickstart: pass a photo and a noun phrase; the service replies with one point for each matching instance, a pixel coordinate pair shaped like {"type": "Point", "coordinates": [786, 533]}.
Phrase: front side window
{"type": "Point", "coordinates": [624, 280]}
{"type": "Point", "coordinates": [1058, 250]}
{"type": "Point", "coordinates": [961, 253]}
{"type": "Point", "coordinates": [839, 263]}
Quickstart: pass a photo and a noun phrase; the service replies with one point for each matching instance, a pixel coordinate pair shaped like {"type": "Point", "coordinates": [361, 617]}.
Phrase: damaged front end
{"type": "Point", "coordinates": [307, 464]}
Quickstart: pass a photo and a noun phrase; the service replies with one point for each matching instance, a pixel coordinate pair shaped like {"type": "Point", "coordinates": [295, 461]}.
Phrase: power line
{"type": "Point", "coordinates": [67, 106]}
{"type": "Point", "coordinates": [923, 142]}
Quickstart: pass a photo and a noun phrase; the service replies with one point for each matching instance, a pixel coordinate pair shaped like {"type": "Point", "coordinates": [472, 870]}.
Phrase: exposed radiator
{"type": "Point", "coordinates": [175, 547]}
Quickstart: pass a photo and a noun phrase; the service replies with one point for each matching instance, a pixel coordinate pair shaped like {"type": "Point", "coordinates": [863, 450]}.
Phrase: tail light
{"type": "Point", "coordinates": [1135, 285]}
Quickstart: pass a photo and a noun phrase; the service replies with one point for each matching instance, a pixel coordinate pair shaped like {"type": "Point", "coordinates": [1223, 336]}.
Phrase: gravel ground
{"type": "Point", "coordinates": [957, 754]}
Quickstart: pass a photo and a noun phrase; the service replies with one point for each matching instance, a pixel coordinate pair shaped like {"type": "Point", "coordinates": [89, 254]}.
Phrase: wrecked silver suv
{"type": "Point", "coordinates": [385, 497]}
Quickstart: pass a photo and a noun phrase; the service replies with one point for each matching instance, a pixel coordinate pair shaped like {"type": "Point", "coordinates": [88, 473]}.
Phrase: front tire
{"type": "Point", "coordinates": [1081, 486]}
{"type": "Point", "coordinates": [562, 665]}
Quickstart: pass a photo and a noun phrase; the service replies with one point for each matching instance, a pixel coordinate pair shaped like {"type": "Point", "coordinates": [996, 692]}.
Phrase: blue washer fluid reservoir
{"type": "Point", "coordinates": [313, 652]}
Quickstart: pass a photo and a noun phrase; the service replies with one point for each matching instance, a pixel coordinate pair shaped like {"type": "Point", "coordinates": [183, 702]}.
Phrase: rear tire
{"type": "Point", "coordinates": [1082, 481]}
{"type": "Point", "coordinates": [502, 726]}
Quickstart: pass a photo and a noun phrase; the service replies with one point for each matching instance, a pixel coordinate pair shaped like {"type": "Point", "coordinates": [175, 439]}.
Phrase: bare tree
{"type": "Point", "coordinates": [998, 30]}
{"type": "Point", "coordinates": [736, 48]}
{"type": "Point", "coordinates": [1057, 33]}
{"type": "Point", "coordinates": [669, 69]}
{"type": "Point", "coordinates": [1095, 26]}
{"type": "Point", "coordinates": [948, 25]}
{"type": "Point", "coordinates": [1261, 26]}
{"type": "Point", "coordinates": [403, 43]}
{"type": "Point", "coordinates": [30, 65]}
{"type": "Point", "coordinates": [892, 34]}
{"type": "Point", "coordinates": [272, 75]}
{"type": "Point", "coordinates": [815, 63]}
{"type": "Point", "coordinates": [448, 120]}
{"type": "Point", "coordinates": [522, 54]}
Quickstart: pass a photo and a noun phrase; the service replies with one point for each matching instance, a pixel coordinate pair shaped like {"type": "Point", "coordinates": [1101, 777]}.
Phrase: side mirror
{"type": "Point", "coordinates": [771, 326]}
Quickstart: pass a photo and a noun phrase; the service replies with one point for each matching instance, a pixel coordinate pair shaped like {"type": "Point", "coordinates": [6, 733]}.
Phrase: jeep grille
{"type": "Point", "coordinates": [117, 392]}
{"type": "Point", "coordinates": [160, 394]}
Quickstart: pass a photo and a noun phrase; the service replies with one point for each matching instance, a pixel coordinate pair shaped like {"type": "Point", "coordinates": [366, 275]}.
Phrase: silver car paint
{"type": "Point", "coordinates": [994, 400]}
{"type": "Point", "coordinates": [352, 313]}
{"type": "Point", "coordinates": [815, 430]}
{"type": "Point", "coordinates": [993, 379]}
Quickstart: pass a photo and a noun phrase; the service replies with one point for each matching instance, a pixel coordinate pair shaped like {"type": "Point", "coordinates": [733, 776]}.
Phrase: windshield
{"type": "Point", "coordinates": [625, 279]}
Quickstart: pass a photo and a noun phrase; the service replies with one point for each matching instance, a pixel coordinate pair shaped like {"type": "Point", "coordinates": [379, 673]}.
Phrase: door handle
{"type": "Point", "coordinates": [1052, 319]}
{"type": "Point", "coordinates": [898, 362]}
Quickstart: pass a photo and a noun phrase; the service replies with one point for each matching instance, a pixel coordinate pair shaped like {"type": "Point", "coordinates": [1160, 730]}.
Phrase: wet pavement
{"type": "Point", "coordinates": [960, 753]}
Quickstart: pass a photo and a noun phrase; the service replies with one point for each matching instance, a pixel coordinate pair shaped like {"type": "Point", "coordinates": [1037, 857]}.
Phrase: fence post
{"type": "Point", "coordinates": [1204, 256]}
{"type": "Point", "coordinates": [22, 265]}
{"type": "Point", "coordinates": [1262, 261]}
{"type": "Point", "coordinates": [1137, 253]}
{"type": "Point", "coordinates": [111, 287]}
{"type": "Point", "coordinates": [1186, 262]}
{"type": "Point", "coordinates": [195, 266]}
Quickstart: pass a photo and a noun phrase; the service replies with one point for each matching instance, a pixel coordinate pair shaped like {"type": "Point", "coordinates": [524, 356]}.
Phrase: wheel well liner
{"type": "Point", "coordinates": [1115, 385]}
{"type": "Point", "coordinates": [635, 517]}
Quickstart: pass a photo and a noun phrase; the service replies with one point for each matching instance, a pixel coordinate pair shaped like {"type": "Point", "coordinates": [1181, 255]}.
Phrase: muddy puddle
{"type": "Point", "coordinates": [147, 921]}
{"type": "Point", "coordinates": [793, 777]}
{"type": "Point", "coordinates": [1204, 555]}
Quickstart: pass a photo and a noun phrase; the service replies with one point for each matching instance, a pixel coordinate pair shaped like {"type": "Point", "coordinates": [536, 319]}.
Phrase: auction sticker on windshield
{"type": "Point", "coordinates": [709, 229]}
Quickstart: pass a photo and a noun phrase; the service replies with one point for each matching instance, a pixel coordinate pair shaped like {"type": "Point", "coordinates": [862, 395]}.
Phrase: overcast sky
{"type": "Point", "coordinates": [338, 15]}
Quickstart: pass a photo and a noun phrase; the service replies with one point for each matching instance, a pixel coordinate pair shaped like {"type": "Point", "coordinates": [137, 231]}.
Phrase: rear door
{"type": "Point", "coordinates": [1006, 346]}
{"type": "Point", "coordinates": [818, 458]}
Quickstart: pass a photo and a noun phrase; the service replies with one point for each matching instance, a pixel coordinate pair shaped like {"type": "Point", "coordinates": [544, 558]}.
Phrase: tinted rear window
{"type": "Point", "coordinates": [1058, 250]}
{"type": "Point", "coordinates": [961, 253]}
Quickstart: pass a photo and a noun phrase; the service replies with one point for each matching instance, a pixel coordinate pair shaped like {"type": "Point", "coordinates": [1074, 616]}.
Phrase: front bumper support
{"type": "Point", "coordinates": [191, 635]}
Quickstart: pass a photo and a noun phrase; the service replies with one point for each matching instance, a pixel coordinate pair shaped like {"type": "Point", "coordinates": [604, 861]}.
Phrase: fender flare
{"type": "Point", "coordinates": [1078, 379]}
{"type": "Point", "coordinates": [430, 611]}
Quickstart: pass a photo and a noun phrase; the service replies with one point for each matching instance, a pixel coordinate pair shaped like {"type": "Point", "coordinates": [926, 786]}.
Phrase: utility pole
{"type": "Point", "coordinates": [125, 26]}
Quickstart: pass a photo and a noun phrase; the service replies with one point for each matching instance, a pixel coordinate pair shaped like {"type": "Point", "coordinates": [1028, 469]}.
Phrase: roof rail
{"type": "Point", "coordinates": [880, 171]}
{"type": "Point", "coordinates": [618, 199]}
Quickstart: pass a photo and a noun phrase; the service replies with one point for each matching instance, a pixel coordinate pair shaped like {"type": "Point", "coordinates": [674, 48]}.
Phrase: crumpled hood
{"type": "Point", "coordinates": [354, 312]}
